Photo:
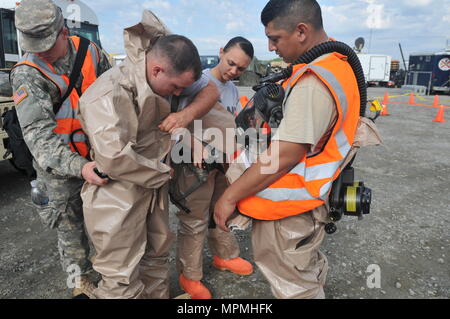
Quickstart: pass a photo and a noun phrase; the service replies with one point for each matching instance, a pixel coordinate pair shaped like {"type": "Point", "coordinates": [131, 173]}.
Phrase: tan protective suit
{"type": "Point", "coordinates": [287, 250]}
{"type": "Point", "coordinates": [193, 228]}
{"type": "Point", "coordinates": [127, 219]}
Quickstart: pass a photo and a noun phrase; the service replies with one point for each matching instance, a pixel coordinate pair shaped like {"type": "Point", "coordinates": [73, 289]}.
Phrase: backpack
{"type": "Point", "coordinates": [22, 159]}
{"type": "Point", "coordinates": [21, 155]}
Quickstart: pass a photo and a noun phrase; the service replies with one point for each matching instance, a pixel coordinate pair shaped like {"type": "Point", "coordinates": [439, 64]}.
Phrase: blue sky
{"type": "Point", "coordinates": [419, 25]}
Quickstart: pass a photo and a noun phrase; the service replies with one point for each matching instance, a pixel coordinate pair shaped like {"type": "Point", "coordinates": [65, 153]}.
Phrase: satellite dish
{"type": "Point", "coordinates": [359, 44]}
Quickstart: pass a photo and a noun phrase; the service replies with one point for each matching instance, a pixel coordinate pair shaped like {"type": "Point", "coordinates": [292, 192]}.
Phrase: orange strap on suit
{"type": "Point", "coordinates": [308, 184]}
{"type": "Point", "coordinates": [67, 123]}
{"type": "Point", "coordinates": [243, 100]}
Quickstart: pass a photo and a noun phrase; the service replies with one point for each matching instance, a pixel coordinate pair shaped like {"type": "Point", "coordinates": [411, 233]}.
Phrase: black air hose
{"type": "Point", "coordinates": [324, 48]}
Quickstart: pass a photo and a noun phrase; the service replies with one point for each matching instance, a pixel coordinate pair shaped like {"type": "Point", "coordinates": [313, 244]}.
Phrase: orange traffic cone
{"type": "Point", "coordinates": [440, 115]}
{"type": "Point", "coordinates": [411, 98]}
{"type": "Point", "coordinates": [436, 100]}
{"type": "Point", "coordinates": [384, 111]}
{"type": "Point", "coordinates": [386, 98]}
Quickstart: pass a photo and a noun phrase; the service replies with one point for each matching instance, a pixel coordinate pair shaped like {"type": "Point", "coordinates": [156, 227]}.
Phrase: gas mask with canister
{"type": "Point", "coordinates": [263, 111]}
{"type": "Point", "coordinates": [264, 107]}
{"type": "Point", "coordinates": [347, 197]}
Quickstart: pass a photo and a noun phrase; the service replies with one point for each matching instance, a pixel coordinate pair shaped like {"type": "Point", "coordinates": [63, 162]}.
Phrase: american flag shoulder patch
{"type": "Point", "coordinates": [20, 95]}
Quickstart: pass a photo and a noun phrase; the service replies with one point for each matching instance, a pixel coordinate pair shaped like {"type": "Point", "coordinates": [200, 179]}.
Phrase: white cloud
{"type": "Point", "coordinates": [417, 3]}
{"type": "Point", "coordinates": [376, 16]}
{"type": "Point", "coordinates": [234, 25]}
{"type": "Point", "coordinates": [334, 14]}
{"type": "Point", "coordinates": [419, 25]}
{"type": "Point", "coordinates": [156, 4]}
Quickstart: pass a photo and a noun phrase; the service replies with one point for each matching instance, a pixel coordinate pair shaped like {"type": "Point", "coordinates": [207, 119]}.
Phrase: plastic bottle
{"type": "Point", "coordinates": [39, 193]}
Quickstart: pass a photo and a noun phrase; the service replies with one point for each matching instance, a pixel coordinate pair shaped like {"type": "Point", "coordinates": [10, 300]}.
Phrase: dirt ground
{"type": "Point", "coordinates": [405, 237]}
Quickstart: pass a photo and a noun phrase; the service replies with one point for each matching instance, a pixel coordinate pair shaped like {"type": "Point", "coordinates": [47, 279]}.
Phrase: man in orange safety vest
{"type": "Point", "coordinates": [46, 105]}
{"type": "Point", "coordinates": [321, 113]}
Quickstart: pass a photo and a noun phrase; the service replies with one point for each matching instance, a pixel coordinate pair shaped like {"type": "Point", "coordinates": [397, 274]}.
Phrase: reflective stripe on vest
{"type": "Point", "coordinates": [308, 184]}
{"type": "Point", "coordinates": [66, 118]}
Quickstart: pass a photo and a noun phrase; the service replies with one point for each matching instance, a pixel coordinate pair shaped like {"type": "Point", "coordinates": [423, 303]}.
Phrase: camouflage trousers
{"type": "Point", "coordinates": [64, 213]}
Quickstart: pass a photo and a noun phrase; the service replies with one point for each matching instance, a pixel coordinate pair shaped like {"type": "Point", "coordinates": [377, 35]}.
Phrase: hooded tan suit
{"type": "Point", "coordinates": [127, 219]}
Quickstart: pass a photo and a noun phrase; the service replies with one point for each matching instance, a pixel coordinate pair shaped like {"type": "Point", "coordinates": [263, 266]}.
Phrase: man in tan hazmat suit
{"type": "Point", "coordinates": [127, 220]}
{"type": "Point", "coordinates": [286, 190]}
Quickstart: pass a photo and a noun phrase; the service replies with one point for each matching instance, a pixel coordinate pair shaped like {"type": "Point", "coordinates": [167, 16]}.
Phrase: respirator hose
{"type": "Point", "coordinates": [324, 48]}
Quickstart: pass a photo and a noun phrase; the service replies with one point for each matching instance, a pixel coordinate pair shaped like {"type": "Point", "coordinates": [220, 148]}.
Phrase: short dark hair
{"type": "Point", "coordinates": [180, 53]}
{"type": "Point", "coordinates": [286, 14]}
{"type": "Point", "coordinates": [243, 43]}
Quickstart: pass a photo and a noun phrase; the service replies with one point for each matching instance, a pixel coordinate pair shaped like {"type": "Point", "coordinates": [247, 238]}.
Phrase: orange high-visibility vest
{"type": "Point", "coordinates": [308, 184]}
{"type": "Point", "coordinates": [66, 119]}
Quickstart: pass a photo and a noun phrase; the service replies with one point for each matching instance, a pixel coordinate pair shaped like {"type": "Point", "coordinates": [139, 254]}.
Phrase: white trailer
{"type": "Point", "coordinates": [376, 67]}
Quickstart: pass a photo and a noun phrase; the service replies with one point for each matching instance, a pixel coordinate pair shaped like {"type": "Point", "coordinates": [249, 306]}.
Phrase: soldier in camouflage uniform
{"type": "Point", "coordinates": [59, 169]}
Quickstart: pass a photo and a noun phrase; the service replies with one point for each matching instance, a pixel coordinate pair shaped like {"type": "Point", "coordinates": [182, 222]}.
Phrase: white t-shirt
{"type": "Point", "coordinates": [229, 96]}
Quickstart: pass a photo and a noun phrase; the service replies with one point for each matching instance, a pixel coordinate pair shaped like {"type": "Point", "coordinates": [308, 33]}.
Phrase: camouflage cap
{"type": "Point", "coordinates": [39, 23]}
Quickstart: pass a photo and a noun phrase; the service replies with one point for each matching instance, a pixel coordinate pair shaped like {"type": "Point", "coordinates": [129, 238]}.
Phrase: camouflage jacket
{"type": "Point", "coordinates": [36, 117]}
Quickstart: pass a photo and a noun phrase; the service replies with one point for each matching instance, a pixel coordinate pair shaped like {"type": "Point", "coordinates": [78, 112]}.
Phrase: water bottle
{"type": "Point", "coordinates": [39, 193]}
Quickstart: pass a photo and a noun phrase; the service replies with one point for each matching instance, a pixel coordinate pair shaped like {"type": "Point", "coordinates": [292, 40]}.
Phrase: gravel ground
{"type": "Point", "coordinates": [404, 239]}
